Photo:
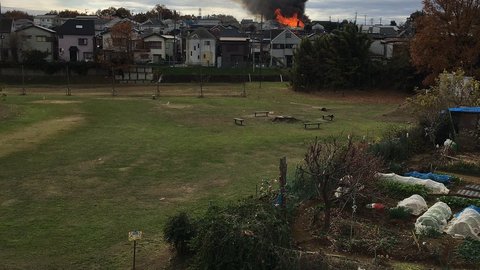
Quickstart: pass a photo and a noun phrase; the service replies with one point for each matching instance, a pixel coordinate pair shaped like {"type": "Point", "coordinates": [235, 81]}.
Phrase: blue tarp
{"type": "Point", "coordinates": [476, 208]}
{"type": "Point", "coordinates": [440, 178]}
{"type": "Point", "coordinates": [465, 109]}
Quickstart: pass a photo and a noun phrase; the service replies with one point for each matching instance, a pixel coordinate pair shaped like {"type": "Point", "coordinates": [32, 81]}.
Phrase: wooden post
{"type": "Point", "coordinates": [113, 83]}
{"type": "Point", "coordinates": [69, 92]}
{"type": "Point", "coordinates": [24, 92]}
{"type": "Point", "coordinates": [244, 94]}
{"type": "Point", "coordinates": [283, 180]}
{"type": "Point", "coordinates": [134, 248]}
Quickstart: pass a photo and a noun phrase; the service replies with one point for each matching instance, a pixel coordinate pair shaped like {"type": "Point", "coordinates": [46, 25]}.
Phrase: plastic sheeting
{"type": "Point", "coordinates": [434, 187]}
{"type": "Point", "coordinates": [435, 218]}
{"type": "Point", "coordinates": [440, 178]}
{"type": "Point", "coordinates": [466, 224]}
{"type": "Point", "coordinates": [415, 203]}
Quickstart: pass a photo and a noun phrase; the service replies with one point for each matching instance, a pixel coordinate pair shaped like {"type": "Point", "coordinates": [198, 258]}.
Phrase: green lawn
{"type": "Point", "coordinates": [68, 201]}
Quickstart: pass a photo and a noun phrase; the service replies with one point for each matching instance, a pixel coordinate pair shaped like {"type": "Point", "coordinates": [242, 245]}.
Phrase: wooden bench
{"type": "Point", "coordinates": [312, 124]}
{"type": "Point", "coordinates": [328, 117]}
{"type": "Point", "coordinates": [261, 113]}
{"type": "Point", "coordinates": [238, 121]}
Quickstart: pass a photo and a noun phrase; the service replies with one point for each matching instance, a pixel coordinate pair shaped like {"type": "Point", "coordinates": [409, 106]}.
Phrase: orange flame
{"type": "Point", "coordinates": [292, 21]}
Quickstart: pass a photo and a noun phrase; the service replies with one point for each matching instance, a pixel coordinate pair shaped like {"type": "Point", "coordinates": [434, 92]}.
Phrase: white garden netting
{"type": "Point", "coordinates": [415, 203]}
{"type": "Point", "coordinates": [466, 224]}
{"type": "Point", "coordinates": [434, 187]}
{"type": "Point", "coordinates": [434, 219]}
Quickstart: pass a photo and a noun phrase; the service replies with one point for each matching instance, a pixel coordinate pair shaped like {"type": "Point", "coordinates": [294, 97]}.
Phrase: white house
{"type": "Point", "coordinates": [38, 38]}
{"type": "Point", "coordinates": [201, 48]}
{"type": "Point", "coordinates": [282, 47]}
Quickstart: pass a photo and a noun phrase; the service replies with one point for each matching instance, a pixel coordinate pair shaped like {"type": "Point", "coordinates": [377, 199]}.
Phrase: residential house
{"type": "Point", "coordinates": [233, 49]}
{"type": "Point", "coordinates": [22, 23]}
{"type": "Point", "coordinates": [6, 29]}
{"type": "Point", "coordinates": [153, 49]}
{"type": "Point", "coordinates": [201, 48]}
{"type": "Point", "coordinates": [49, 21]}
{"type": "Point", "coordinates": [76, 40]}
{"type": "Point", "coordinates": [34, 37]}
{"type": "Point", "coordinates": [173, 44]}
{"type": "Point", "coordinates": [154, 25]}
{"type": "Point", "coordinates": [282, 47]}
{"type": "Point", "coordinates": [384, 39]}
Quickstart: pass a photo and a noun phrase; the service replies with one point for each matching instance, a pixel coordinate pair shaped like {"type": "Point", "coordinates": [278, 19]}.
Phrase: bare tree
{"type": "Point", "coordinates": [339, 172]}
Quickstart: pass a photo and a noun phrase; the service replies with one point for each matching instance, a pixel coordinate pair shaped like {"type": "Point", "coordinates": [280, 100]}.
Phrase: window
{"type": "Point", "coordinates": [154, 45]}
{"type": "Point", "coordinates": [41, 38]}
{"type": "Point", "coordinates": [206, 43]}
{"type": "Point", "coordinates": [88, 56]}
{"type": "Point", "coordinates": [198, 57]}
{"type": "Point", "coordinates": [79, 26]}
{"type": "Point", "coordinates": [82, 41]}
{"type": "Point", "coordinates": [288, 35]}
{"type": "Point", "coordinates": [194, 48]}
{"type": "Point", "coordinates": [289, 46]}
{"type": "Point", "coordinates": [204, 56]}
{"type": "Point", "coordinates": [29, 36]}
{"type": "Point", "coordinates": [191, 53]}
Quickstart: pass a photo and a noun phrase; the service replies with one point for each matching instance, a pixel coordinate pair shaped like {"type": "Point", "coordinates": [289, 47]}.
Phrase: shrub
{"type": "Point", "coordinates": [469, 250]}
{"type": "Point", "coordinates": [459, 202]}
{"type": "Point", "coordinates": [178, 232]}
{"type": "Point", "coordinates": [399, 213]}
{"type": "Point", "coordinates": [396, 189]}
{"type": "Point", "coordinates": [397, 146]}
{"type": "Point", "coordinates": [35, 58]}
{"type": "Point", "coordinates": [246, 235]}
{"type": "Point", "coordinates": [463, 167]}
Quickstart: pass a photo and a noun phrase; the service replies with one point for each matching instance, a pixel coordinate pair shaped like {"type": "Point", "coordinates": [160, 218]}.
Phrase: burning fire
{"type": "Point", "coordinates": [292, 21]}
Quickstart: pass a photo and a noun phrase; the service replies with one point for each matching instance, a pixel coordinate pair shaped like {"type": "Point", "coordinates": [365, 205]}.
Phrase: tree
{"type": "Point", "coordinates": [108, 12]}
{"type": "Point", "coordinates": [122, 39]}
{"type": "Point", "coordinates": [351, 48]}
{"type": "Point", "coordinates": [447, 38]}
{"type": "Point", "coordinates": [330, 168]}
{"type": "Point", "coordinates": [140, 17]}
{"type": "Point", "coordinates": [122, 13]}
{"type": "Point", "coordinates": [160, 11]}
{"type": "Point", "coordinates": [17, 15]}
{"type": "Point", "coordinates": [339, 60]}
{"type": "Point", "coordinates": [450, 90]}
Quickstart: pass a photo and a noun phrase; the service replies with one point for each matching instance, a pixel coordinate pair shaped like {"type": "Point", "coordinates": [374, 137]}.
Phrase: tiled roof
{"type": "Point", "coordinates": [77, 27]}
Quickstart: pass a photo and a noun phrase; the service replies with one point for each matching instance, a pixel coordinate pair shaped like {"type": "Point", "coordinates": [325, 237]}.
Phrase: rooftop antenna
{"type": "Point", "coordinates": [200, 13]}
{"type": "Point", "coordinates": [365, 17]}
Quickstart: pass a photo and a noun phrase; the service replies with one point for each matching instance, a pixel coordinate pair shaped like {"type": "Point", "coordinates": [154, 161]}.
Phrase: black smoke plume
{"type": "Point", "coordinates": [267, 7]}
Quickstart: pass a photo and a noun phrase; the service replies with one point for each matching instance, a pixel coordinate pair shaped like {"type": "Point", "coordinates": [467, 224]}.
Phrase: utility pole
{"type": "Point", "coordinates": [261, 49]}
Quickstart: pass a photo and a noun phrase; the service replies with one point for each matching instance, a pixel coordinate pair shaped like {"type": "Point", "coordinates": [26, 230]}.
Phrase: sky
{"type": "Point", "coordinates": [367, 10]}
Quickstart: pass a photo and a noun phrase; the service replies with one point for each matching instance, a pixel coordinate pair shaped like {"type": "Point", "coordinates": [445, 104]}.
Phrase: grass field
{"type": "Point", "coordinates": [78, 172]}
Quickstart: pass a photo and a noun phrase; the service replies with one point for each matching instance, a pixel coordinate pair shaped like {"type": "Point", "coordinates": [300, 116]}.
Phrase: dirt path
{"type": "Point", "coordinates": [27, 137]}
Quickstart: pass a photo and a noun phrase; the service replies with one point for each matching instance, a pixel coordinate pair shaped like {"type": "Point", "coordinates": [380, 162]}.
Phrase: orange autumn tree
{"type": "Point", "coordinates": [447, 38]}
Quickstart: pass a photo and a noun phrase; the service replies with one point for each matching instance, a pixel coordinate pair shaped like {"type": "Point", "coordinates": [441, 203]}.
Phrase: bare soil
{"type": "Point", "coordinates": [33, 135]}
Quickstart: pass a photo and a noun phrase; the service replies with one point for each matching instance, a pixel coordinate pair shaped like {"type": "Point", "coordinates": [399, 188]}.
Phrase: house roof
{"type": "Point", "coordinates": [153, 22]}
{"type": "Point", "coordinates": [6, 25]}
{"type": "Point", "coordinates": [201, 33]}
{"type": "Point", "coordinates": [77, 27]}
{"type": "Point", "coordinates": [230, 33]}
{"type": "Point", "coordinates": [146, 35]}
{"type": "Point", "coordinates": [37, 26]}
